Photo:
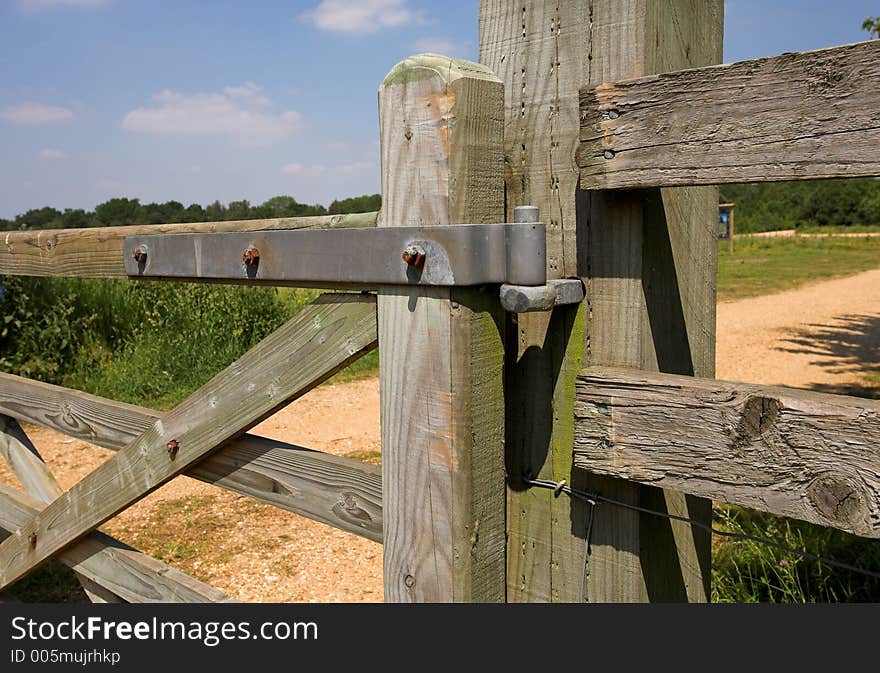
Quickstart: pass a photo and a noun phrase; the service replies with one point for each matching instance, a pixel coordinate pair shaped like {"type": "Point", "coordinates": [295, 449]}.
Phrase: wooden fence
{"type": "Point", "coordinates": [614, 395]}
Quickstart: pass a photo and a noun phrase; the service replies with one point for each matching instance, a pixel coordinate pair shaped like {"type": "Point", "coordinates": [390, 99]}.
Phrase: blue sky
{"type": "Point", "coordinates": [197, 101]}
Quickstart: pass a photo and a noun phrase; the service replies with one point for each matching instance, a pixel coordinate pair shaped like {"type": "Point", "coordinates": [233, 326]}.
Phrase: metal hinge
{"type": "Point", "coordinates": [512, 255]}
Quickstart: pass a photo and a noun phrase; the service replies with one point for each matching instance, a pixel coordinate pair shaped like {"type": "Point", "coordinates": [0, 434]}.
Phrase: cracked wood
{"type": "Point", "coordinates": [442, 349]}
{"type": "Point", "coordinates": [800, 116]}
{"type": "Point", "coordinates": [796, 453]}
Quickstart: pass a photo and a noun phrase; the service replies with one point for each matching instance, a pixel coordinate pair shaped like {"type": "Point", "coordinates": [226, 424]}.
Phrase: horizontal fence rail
{"type": "Point", "coordinates": [796, 453]}
{"type": "Point", "coordinates": [97, 252]}
{"type": "Point", "coordinates": [341, 492]}
{"type": "Point", "coordinates": [799, 116]}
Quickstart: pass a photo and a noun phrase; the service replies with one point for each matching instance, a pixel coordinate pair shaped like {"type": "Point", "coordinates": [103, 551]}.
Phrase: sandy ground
{"type": "Point", "coordinates": [824, 336]}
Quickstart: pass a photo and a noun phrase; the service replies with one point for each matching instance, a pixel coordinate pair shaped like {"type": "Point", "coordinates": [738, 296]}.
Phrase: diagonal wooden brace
{"type": "Point", "coordinates": [306, 351]}
{"type": "Point", "coordinates": [38, 481]}
{"type": "Point", "coordinates": [112, 566]}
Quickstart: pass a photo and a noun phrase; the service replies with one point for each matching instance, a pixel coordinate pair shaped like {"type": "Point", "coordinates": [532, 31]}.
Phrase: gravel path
{"type": "Point", "coordinates": [824, 336]}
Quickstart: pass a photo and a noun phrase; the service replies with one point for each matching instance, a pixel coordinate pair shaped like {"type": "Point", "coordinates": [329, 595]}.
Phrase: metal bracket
{"type": "Point", "coordinates": [512, 255]}
{"type": "Point", "coordinates": [452, 255]}
{"type": "Point", "coordinates": [526, 299]}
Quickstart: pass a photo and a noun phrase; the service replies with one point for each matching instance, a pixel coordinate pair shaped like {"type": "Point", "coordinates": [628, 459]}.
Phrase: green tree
{"type": "Point", "coordinates": [872, 25]}
{"type": "Point", "coordinates": [287, 206]}
{"type": "Point", "coordinates": [367, 203]}
{"type": "Point", "coordinates": [116, 212]}
{"type": "Point", "coordinates": [77, 218]}
{"type": "Point", "coordinates": [40, 218]}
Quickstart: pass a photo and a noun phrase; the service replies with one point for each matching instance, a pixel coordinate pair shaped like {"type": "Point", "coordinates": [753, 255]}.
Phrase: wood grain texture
{"type": "Point", "coordinates": [640, 255]}
{"type": "Point", "coordinates": [794, 453]}
{"type": "Point", "coordinates": [97, 252]}
{"type": "Point", "coordinates": [113, 566]}
{"type": "Point", "coordinates": [32, 472]}
{"type": "Point", "coordinates": [340, 492]}
{"type": "Point", "coordinates": [442, 350]}
{"type": "Point", "coordinates": [800, 116]}
{"type": "Point", "coordinates": [25, 461]}
{"type": "Point", "coordinates": [324, 338]}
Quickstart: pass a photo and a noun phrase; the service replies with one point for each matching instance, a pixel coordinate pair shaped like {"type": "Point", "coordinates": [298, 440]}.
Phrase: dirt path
{"type": "Point", "coordinates": [824, 336]}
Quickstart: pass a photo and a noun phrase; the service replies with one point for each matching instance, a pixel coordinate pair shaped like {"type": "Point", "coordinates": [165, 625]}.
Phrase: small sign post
{"type": "Point", "coordinates": [725, 223]}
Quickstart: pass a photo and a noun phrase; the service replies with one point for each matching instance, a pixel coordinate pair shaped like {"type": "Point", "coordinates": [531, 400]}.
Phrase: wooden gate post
{"type": "Point", "coordinates": [441, 350]}
{"type": "Point", "coordinates": [648, 260]}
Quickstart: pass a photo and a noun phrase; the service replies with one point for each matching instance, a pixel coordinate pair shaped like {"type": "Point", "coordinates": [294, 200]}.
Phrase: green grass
{"type": "Point", "coordinates": [831, 231]}
{"type": "Point", "coordinates": [763, 266]}
{"type": "Point", "coordinates": [748, 572]}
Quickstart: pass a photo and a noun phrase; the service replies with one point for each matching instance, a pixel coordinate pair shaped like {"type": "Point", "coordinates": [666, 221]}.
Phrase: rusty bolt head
{"type": "Point", "coordinates": [414, 255]}
{"type": "Point", "coordinates": [139, 254]}
{"type": "Point", "coordinates": [32, 538]}
{"type": "Point", "coordinates": [251, 256]}
{"type": "Point", "coordinates": [173, 448]}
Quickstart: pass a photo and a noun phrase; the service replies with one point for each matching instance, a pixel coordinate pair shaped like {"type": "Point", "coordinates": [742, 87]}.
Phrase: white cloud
{"type": "Point", "coordinates": [362, 16]}
{"type": "Point", "coordinates": [52, 154]}
{"type": "Point", "coordinates": [34, 114]}
{"type": "Point", "coordinates": [240, 112]}
{"type": "Point", "coordinates": [440, 45]}
{"type": "Point", "coordinates": [342, 169]}
{"type": "Point", "coordinates": [37, 5]}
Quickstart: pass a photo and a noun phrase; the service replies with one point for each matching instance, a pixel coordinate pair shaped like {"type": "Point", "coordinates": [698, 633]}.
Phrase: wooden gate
{"type": "Point", "coordinates": [612, 396]}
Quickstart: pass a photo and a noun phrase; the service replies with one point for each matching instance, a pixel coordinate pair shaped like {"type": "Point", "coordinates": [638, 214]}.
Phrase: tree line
{"type": "Point", "coordinates": [760, 207]}
{"type": "Point", "coordinates": [120, 211]}
{"type": "Point", "coordinates": [790, 205]}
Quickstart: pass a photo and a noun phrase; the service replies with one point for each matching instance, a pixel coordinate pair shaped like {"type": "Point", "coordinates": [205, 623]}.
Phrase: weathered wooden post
{"type": "Point", "coordinates": [648, 260]}
{"type": "Point", "coordinates": [442, 350]}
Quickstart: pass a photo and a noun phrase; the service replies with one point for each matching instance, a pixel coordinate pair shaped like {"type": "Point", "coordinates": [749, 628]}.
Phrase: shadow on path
{"type": "Point", "coordinates": [849, 345]}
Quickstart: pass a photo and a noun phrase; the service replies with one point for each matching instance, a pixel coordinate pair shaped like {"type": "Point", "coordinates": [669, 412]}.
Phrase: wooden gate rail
{"type": "Point", "coordinates": [797, 116]}
{"type": "Point", "coordinates": [129, 574]}
{"type": "Point", "coordinates": [323, 339]}
{"type": "Point", "coordinates": [796, 453]}
{"type": "Point", "coordinates": [337, 491]}
{"type": "Point", "coordinates": [97, 252]}
{"type": "Point", "coordinates": [108, 570]}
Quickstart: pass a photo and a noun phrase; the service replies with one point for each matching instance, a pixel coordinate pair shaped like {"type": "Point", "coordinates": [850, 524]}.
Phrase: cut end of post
{"type": "Point", "coordinates": [425, 66]}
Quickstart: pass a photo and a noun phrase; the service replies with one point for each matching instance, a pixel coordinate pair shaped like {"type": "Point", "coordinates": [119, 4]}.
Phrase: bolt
{"type": "Point", "coordinates": [609, 154]}
{"type": "Point", "coordinates": [414, 255]}
{"type": "Point", "coordinates": [33, 539]}
{"type": "Point", "coordinates": [409, 581]}
{"type": "Point", "coordinates": [614, 114]}
{"type": "Point", "coordinates": [251, 256]}
{"type": "Point", "coordinates": [173, 447]}
{"type": "Point", "coordinates": [139, 254]}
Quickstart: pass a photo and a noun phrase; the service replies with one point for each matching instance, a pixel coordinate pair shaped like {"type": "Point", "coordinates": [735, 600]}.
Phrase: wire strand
{"type": "Point", "coordinates": [587, 534]}
{"type": "Point", "coordinates": [593, 498]}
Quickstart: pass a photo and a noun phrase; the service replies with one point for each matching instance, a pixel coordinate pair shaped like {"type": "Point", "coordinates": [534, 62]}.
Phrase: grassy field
{"type": "Point", "coordinates": [831, 231]}
{"type": "Point", "coordinates": [765, 265]}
